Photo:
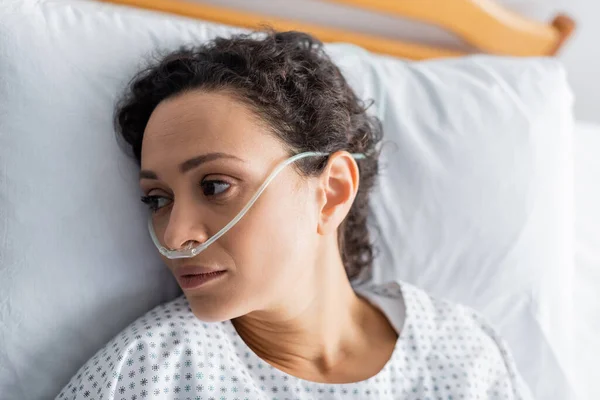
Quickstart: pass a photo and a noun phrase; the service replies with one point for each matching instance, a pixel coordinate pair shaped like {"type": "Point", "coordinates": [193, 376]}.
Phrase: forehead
{"type": "Point", "coordinates": [199, 122]}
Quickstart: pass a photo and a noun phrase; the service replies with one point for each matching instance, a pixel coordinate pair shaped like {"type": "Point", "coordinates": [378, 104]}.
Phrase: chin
{"type": "Point", "coordinates": [212, 311]}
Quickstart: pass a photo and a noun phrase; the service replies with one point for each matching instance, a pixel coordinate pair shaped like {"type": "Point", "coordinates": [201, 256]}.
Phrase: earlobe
{"type": "Point", "coordinates": [339, 184]}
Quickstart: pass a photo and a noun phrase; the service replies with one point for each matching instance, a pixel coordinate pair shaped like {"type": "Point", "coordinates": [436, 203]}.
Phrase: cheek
{"type": "Point", "coordinates": [275, 237]}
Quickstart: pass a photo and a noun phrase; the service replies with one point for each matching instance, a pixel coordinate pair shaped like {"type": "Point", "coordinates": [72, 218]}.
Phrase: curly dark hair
{"type": "Point", "coordinates": [288, 80]}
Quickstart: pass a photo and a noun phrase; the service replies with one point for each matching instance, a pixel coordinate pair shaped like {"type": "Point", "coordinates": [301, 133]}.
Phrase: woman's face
{"type": "Point", "coordinates": [203, 156]}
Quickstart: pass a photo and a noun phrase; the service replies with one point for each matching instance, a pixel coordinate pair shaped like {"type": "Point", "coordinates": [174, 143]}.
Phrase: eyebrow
{"type": "Point", "coordinates": [190, 164]}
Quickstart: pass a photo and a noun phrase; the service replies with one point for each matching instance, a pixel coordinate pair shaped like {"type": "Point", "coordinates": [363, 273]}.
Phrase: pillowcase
{"type": "Point", "coordinates": [475, 198]}
{"type": "Point", "coordinates": [473, 201]}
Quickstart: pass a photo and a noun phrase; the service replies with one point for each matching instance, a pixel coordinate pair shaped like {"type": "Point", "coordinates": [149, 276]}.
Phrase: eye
{"type": "Point", "coordinates": [214, 188]}
{"type": "Point", "coordinates": [155, 203]}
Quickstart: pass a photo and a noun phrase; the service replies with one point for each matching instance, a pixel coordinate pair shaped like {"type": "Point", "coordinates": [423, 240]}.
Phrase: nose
{"type": "Point", "coordinates": [184, 227]}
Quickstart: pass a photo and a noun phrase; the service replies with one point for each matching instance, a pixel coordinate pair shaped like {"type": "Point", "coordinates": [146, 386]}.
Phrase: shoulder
{"type": "Point", "coordinates": [452, 337]}
{"type": "Point", "coordinates": [452, 342]}
{"type": "Point", "coordinates": [145, 352]}
{"type": "Point", "coordinates": [436, 318]}
{"type": "Point", "coordinates": [452, 325]}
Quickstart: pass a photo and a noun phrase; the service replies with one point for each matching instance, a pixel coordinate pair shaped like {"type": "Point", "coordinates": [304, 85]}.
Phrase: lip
{"type": "Point", "coordinates": [191, 277]}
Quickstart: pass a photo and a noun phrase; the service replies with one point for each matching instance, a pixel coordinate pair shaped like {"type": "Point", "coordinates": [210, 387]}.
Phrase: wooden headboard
{"type": "Point", "coordinates": [485, 25]}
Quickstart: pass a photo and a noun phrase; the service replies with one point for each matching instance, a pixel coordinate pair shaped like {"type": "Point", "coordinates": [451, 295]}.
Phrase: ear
{"type": "Point", "coordinates": [338, 186]}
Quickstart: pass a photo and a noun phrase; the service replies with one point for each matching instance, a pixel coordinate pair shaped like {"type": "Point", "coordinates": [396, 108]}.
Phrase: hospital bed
{"type": "Point", "coordinates": [76, 266]}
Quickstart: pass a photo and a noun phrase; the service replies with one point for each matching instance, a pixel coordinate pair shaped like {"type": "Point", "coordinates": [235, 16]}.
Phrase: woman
{"type": "Point", "coordinates": [256, 161]}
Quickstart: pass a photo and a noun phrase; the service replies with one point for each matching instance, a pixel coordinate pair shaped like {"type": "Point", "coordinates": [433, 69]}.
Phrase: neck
{"type": "Point", "coordinates": [316, 327]}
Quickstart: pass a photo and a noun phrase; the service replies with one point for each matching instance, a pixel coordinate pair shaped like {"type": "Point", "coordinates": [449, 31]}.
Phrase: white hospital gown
{"type": "Point", "coordinates": [444, 351]}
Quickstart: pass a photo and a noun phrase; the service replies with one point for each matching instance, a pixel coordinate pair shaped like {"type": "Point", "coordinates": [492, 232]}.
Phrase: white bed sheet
{"type": "Point", "coordinates": [587, 260]}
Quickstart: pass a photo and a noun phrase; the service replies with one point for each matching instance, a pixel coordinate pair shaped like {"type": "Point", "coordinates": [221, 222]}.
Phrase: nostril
{"type": "Point", "coordinates": [190, 244]}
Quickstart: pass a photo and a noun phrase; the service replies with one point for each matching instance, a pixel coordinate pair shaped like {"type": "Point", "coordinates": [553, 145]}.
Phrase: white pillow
{"type": "Point", "coordinates": [475, 198]}
{"type": "Point", "coordinates": [472, 202]}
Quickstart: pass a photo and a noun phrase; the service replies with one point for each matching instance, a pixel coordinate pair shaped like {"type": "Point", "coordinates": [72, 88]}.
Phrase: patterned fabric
{"type": "Point", "coordinates": [444, 352]}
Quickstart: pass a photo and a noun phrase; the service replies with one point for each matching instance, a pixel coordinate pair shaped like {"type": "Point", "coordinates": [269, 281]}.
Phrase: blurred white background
{"type": "Point", "coordinates": [581, 55]}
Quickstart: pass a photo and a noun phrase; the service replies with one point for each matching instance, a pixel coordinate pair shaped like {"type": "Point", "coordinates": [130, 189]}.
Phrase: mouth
{"type": "Point", "coordinates": [195, 277]}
